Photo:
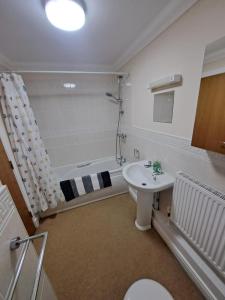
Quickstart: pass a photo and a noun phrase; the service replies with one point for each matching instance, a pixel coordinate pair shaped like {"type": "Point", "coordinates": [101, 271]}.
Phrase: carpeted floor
{"type": "Point", "coordinates": [95, 252]}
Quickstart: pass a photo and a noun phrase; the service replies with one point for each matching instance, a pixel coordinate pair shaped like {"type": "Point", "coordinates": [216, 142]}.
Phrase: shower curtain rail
{"type": "Point", "coordinates": [66, 72]}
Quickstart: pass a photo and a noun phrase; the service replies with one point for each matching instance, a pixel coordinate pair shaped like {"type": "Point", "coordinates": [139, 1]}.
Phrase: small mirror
{"type": "Point", "coordinates": [163, 107]}
{"type": "Point", "coordinates": [209, 128]}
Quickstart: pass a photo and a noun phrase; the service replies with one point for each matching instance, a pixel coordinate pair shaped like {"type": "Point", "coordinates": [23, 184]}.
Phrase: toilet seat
{"type": "Point", "coordinates": [147, 289]}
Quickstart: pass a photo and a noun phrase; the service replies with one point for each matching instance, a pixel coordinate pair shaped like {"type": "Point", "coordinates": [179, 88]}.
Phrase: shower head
{"type": "Point", "coordinates": [113, 98]}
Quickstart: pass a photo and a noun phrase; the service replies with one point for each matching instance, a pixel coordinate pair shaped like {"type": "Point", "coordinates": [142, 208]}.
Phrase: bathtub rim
{"type": "Point", "coordinates": [88, 163]}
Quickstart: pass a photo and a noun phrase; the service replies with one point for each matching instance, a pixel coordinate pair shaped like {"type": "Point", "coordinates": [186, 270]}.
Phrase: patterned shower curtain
{"type": "Point", "coordinates": [41, 185]}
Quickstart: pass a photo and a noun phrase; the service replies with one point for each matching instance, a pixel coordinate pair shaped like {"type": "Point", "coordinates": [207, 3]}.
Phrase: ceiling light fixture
{"type": "Point", "coordinates": [67, 15]}
{"type": "Point", "coordinates": [69, 85]}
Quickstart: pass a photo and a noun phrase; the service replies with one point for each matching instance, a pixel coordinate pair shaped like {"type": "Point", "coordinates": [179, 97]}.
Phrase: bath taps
{"type": "Point", "coordinates": [122, 136]}
{"type": "Point", "coordinates": [121, 160]}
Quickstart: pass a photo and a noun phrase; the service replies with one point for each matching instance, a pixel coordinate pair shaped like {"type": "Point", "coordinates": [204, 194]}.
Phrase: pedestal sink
{"type": "Point", "coordinates": [142, 178]}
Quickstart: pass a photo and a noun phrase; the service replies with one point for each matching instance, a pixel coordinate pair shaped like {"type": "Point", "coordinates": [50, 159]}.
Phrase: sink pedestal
{"type": "Point", "coordinates": [144, 210]}
{"type": "Point", "coordinates": [146, 183]}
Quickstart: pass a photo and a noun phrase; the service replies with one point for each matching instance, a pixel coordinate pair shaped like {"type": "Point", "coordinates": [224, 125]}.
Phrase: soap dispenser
{"type": "Point", "coordinates": [157, 167]}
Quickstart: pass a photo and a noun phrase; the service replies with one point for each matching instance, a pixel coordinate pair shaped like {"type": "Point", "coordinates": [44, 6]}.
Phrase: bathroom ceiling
{"type": "Point", "coordinates": [115, 30]}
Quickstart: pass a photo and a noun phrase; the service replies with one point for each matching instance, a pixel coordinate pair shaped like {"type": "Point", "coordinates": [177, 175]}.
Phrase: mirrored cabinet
{"type": "Point", "coordinates": [209, 127]}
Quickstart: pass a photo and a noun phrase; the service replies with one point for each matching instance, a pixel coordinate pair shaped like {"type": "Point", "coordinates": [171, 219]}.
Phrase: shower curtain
{"type": "Point", "coordinates": [33, 162]}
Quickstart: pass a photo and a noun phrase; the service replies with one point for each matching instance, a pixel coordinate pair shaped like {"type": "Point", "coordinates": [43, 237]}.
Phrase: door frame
{"type": "Point", "coordinates": [7, 146]}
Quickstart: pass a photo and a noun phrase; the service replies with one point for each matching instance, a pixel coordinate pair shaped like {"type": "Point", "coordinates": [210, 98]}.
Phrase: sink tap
{"type": "Point", "coordinates": [148, 164]}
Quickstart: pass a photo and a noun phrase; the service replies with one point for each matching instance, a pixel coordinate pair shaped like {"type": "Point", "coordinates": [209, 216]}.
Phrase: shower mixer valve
{"type": "Point", "coordinates": [122, 160]}
{"type": "Point", "coordinates": [122, 136]}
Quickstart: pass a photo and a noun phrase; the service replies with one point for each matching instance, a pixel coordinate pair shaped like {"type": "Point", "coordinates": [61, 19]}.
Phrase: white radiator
{"type": "Point", "coordinates": [198, 211]}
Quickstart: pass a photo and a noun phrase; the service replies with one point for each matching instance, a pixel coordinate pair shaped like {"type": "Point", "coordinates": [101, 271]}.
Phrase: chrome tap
{"type": "Point", "coordinates": [122, 136]}
{"type": "Point", "coordinates": [148, 164]}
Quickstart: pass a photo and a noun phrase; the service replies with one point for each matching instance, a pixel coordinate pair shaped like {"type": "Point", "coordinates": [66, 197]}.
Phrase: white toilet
{"type": "Point", "coordinates": [147, 289]}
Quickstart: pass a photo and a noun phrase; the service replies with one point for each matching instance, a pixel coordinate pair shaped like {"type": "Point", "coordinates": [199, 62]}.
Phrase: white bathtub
{"type": "Point", "coordinates": [119, 185]}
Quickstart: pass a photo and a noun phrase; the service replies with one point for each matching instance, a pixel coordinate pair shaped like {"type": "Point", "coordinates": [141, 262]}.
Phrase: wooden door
{"type": "Point", "coordinates": [209, 129]}
{"type": "Point", "coordinates": [7, 177]}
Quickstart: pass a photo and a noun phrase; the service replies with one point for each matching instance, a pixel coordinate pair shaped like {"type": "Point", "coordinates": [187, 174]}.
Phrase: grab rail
{"type": "Point", "coordinates": [84, 165]}
{"type": "Point", "coordinates": [15, 244]}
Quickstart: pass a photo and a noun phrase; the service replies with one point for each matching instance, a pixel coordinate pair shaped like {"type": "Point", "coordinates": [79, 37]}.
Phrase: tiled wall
{"type": "Point", "coordinates": [76, 125]}
{"type": "Point", "coordinates": [177, 154]}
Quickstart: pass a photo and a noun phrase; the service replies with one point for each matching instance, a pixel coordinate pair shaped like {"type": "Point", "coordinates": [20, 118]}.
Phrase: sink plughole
{"type": "Point", "coordinates": [146, 183]}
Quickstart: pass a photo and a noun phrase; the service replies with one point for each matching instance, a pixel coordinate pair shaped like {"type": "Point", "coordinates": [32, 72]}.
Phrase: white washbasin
{"type": "Point", "coordinates": [142, 178]}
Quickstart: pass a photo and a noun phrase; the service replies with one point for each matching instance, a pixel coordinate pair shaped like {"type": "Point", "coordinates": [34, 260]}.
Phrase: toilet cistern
{"type": "Point", "coordinates": [146, 182]}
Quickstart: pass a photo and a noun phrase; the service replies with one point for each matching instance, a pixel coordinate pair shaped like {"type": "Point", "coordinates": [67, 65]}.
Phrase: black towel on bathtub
{"type": "Point", "coordinates": [70, 190]}
{"type": "Point", "coordinates": [67, 190]}
{"type": "Point", "coordinates": [106, 179]}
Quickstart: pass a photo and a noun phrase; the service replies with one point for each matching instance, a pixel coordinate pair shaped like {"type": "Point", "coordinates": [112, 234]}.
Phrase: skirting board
{"type": "Point", "coordinates": [208, 282]}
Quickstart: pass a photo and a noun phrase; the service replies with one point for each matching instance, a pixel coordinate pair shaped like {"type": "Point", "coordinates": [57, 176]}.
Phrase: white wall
{"type": "Point", "coordinates": [180, 49]}
{"type": "Point", "coordinates": [11, 226]}
{"type": "Point", "coordinates": [215, 67]}
{"type": "Point", "coordinates": [76, 125]}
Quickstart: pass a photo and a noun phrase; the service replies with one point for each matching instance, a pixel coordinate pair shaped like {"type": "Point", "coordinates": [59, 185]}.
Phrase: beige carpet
{"type": "Point", "coordinates": [95, 252]}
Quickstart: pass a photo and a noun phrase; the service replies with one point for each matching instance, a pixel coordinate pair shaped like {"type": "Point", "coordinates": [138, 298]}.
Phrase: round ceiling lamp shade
{"type": "Point", "coordinates": [66, 15]}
